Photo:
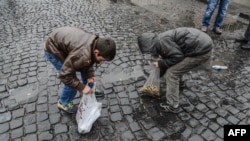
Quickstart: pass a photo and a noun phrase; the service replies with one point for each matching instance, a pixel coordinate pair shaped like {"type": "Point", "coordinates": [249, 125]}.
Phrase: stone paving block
{"type": "Point", "coordinates": [16, 133]}
{"type": "Point", "coordinates": [16, 123]}
{"type": "Point", "coordinates": [197, 115]}
{"type": "Point", "coordinates": [53, 108]}
{"type": "Point", "coordinates": [213, 126]}
{"type": "Point", "coordinates": [4, 117]}
{"type": "Point", "coordinates": [107, 130]}
{"type": "Point", "coordinates": [4, 127]}
{"type": "Point", "coordinates": [60, 128]}
{"type": "Point", "coordinates": [211, 115]}
{"type": "Point", "coordinates": [156, 133]}
{"type": "Point", "coordinates": [221, 111]}
{"type": "Point", "coordinates": [121, 127]}
{"type": "Point", "coordinates": [42, 100]}
{"type": "Point", "coordinates": [222, 121]}
{"type": "Point", "coordinates": [22, 82]}
{"type": "Point", "coordinates": [209, 135]}
{"type": "Point", "coordinates": [220, 133]}
{"type": "Point", "coordinates": [2, 109]}
{"type": "Point", "coordinates": [44, 126]}
{"type": "Point", "coordinates": [148, 123]}
{"type": "Point", "coordinates": [114, 108]}
{"type": "Point", "coordinates": [30, 137]}
{"type": "Point", "coordinates": [133, 94]}
{"type": "Point", "coordinates": [204, 121]}
{"type": "Point", "coordinates": [193, 123]}
{"type": "Point", "coordinates": [29, 119]}
{"type": "Point", "coordinates": [187, 132]}
{"type": "Point", "coordinates": [30, 128]}
{"type": "Point", "coordinates": [61, 137]}
{"type": "Point", "coordinates": [41, 116]}
{"type": "Point", "coordinates": [122, 94]}
{"type": "Point", "coordinates": [134, 126]}
{"type": "Point", "coordinates": [14, 106]}
{"type": "Point", "coordinates": [195, 138]}
{"type": "Point", "coordinates": [104, 112]}
{"type": "Point", "coordinates": [127, 110]}
{"type": "Point", "coordinates": [116, 117]}
{"type": "Point", "coordinates": [127, 135]}
{"type": "Point", "coordinates": [54, 118]}
{"type": "Point", "coordinates": [42, 107]}
{"type": "Point", "coordinates": [31, 107]}
{"type": "Point", "coordinates": [113, 101]}
{"type": "Point", "coordinates": [124, 101]}
{"type": "Point", "coordinates": [232, 119]}
{"type": "Point", "coordinates": [202, 107]}
{"type": "Point", "coordinates": [45, 136]}
{"type": "Point", "coordinates": [5, 137]}
{"type": "Point", "coordinates": [140, 135]}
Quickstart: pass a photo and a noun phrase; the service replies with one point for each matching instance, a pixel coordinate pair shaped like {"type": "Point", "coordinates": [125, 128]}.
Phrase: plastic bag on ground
{"type": "Point", "coordinates": [152, 85]}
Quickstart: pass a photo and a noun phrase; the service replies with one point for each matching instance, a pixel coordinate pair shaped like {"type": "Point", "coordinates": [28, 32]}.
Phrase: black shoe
{"type": "Point", "coordinates": [168, 108]}
{"type": "Point", "coordinates": [246, 46]}
{"type": "Point", "coordinates": [241, 40]}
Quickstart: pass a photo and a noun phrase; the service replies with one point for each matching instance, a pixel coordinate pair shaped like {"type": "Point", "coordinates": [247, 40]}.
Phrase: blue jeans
{"type": "Point", "coordinates": [68, 93]}
{"type": "Point", "coordinates": [223, 5]}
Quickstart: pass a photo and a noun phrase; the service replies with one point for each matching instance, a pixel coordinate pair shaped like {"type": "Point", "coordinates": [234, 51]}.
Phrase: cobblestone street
{"type": "Point", "coordinates": [29, 87]}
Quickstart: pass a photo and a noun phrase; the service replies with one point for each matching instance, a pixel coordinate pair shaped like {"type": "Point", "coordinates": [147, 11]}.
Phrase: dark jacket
{"type": "Point", "coordinates": [73, 47]}
{"type": "Point", "coordinates": [174, 45]}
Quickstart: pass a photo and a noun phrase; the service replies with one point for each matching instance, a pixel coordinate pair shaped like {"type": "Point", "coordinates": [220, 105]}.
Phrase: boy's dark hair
{"type": "Point", "coordinates": [106, 47]}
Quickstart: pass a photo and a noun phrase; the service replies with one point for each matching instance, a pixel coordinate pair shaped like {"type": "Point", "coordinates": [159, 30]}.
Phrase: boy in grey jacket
{"type": "Point", "coordinates": [180, 50]}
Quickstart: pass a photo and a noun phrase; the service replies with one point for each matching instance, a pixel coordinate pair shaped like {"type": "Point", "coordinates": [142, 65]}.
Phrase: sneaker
{"type": "Point", "coordinates": [217, 30]}
{"type": "Point", "coordinates": [69, 108]}
{"type": "Point", "coordinates": [168, 108]}
{"type": "Point", "coordinates": [204, 29]}
{"type": "Point", "coordinates": [99, 93]}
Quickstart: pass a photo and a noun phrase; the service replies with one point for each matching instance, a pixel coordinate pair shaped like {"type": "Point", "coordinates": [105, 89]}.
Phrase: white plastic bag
{"type": "Point", "coordinates": [89, 110]}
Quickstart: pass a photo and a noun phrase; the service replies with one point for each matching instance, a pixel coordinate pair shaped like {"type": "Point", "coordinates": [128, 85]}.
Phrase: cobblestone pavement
{"type": "Point", "coordinates": [29, 88]}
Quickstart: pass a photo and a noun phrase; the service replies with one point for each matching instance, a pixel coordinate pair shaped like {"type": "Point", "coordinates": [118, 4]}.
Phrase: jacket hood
{"type": "Point", "coordinates": [146, 42]}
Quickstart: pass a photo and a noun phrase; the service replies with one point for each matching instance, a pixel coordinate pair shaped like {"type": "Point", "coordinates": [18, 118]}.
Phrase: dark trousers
{"type": "Point", "coordinates": [247, 33]}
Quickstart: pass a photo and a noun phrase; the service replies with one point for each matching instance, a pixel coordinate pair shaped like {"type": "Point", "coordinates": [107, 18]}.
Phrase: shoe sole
{"type": "Point", "coordinates": [166, 109]}
{"type": "Point", "coordinates": [62, 109]}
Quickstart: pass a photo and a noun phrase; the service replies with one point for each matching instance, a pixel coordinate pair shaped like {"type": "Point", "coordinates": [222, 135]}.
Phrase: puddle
{"type": "Point", "coordinates": [23, 93]}
{"type": "Point", "coordinates": [125, 74]}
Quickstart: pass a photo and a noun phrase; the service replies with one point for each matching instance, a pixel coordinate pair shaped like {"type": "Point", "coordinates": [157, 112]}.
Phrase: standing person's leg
{"type": "Point", "coordinates": [173, 76]}
{"type": "Point", "coordinates": [208, 13]}
{"type": "Point", "coordinates": [247, 33]}
{"type": "Point", "coordinates": [244, 39]}
{"type": "Point", "coordinates": [220, 15]}
{"type": "Point", "coordinates": [68, 93]}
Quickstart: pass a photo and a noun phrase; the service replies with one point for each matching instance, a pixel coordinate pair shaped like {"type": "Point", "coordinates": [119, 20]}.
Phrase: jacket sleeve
{"type": "Point", "coordinates": [68, 76]}
{"type": "Point", "coordinates": [171, 55]}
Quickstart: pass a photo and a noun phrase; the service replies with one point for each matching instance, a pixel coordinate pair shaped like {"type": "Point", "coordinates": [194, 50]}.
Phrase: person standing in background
{"type": "Point", "coordinates": [245, 39]}
{"type": "Point", "coordinates": [211, 6]}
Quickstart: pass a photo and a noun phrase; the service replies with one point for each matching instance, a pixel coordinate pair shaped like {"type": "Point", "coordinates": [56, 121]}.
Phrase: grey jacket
{"type": "Point", "coordinates": [174, 45]}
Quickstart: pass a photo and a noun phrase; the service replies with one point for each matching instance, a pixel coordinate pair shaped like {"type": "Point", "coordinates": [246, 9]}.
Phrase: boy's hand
{"type": "Point", "coordinates": [156, 64]}
{"type": "Point", "coordinates": [87, 90]}
{"type": "Point", "coordinates": [91, 80]}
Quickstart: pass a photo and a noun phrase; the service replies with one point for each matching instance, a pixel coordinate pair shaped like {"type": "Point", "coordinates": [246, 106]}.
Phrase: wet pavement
{"type": "Point", "coordinates": [29, 88]}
